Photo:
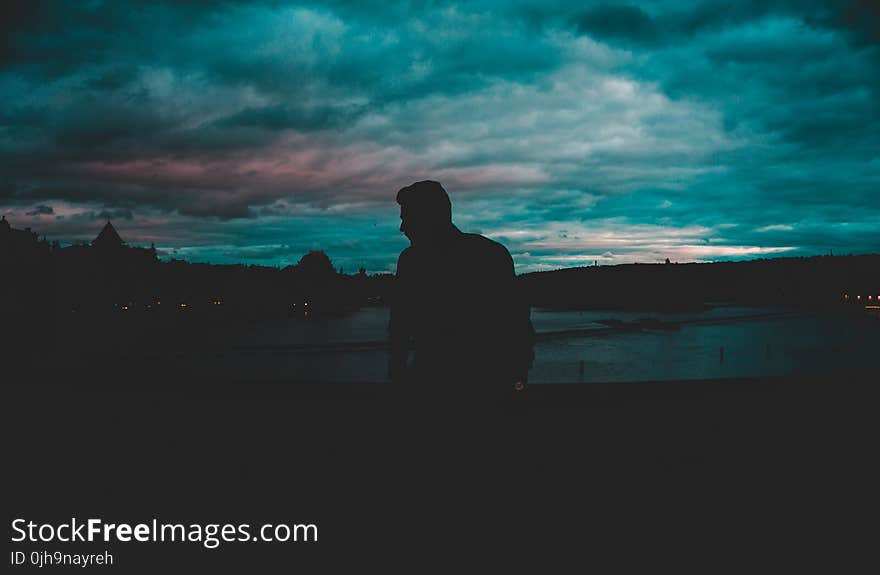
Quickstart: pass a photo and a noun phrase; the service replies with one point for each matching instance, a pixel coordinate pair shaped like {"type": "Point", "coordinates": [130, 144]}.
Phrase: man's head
{"type": "Point", "coordinates": [425, 212]}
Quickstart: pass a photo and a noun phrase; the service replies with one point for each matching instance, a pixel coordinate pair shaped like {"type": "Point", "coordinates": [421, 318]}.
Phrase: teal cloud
{"type": "Point", "coordinates": [255, 129]}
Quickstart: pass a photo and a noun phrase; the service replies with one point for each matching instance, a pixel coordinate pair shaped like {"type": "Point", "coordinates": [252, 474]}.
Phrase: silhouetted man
{"type": "Point", "coordinates": [456, 304]}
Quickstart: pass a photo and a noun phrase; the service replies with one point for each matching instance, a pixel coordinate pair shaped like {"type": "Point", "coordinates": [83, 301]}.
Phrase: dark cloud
{"type": "Point", "coordinates": [618, 22]}
{"type": "Point", "coordinates": [714, 15]}
{"type": "Point", "coordinates": [41, 210]}
{"type": "Point", "coordinates": [111, 79]}
{"type": "Point", "coordinates": [860, 17]}
{"type": "Point", "coordinates": [26, 116]}
{"type": "Point", "coordinates": [571, 130]}
{"type": "Point", "coordinates": [283, 117]}
{"type": "Point", "coordinates": [116, 214]}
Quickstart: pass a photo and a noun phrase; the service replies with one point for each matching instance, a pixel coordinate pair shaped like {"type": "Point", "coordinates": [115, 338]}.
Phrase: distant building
{"type": "Point", "coordinates": [25, 270]}
{"type": "Point", "coordinates": [106, 274]}
{"type": "Point", "coordinates": [20, 245]}
{"type": "Point", "coordinates": [108, 238]}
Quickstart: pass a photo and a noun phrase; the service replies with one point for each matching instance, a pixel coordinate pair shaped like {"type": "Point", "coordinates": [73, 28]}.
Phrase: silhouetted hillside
{"type": "Point", "coordinates": [814, 281]}
{"type": "Point", "coordinates": [101, 287]}
{"type": "Point", "coordinates": [42, 280]}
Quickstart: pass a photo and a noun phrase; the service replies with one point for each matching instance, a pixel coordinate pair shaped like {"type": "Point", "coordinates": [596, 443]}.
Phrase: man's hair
{"type": "Point", "coordinates": [428, 199]}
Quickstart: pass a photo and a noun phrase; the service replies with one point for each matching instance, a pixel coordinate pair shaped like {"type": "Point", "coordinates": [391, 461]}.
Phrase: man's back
{"type": "Point", "coordinates": [460, 304]}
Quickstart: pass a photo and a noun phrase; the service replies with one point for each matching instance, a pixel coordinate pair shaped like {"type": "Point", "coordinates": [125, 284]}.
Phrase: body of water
{"type": "Point", "coordinates": [756, 342]}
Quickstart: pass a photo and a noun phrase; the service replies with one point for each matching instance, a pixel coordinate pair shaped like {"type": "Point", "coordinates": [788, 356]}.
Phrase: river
{"type": "Point", "coordinates": [755, 342]}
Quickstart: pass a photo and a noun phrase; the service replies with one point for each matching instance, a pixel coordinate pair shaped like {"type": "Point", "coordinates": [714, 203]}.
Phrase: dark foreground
{"type": "Point", "coordinates": [96, 437]}
{"type": "Point", "coordinates": [402, 481]}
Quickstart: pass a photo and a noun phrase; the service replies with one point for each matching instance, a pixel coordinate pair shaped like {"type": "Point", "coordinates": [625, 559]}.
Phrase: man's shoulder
{"type": "Point", "coordinates": [484, 244]}
{"type": "Point", "coordinates": [405, 256]}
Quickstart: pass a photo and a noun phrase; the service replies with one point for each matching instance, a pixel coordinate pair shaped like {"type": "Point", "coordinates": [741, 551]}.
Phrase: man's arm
{"type": "Point", "coordinates": [513, 318]}
{"type": "Point", "coordinates": [399, 331]}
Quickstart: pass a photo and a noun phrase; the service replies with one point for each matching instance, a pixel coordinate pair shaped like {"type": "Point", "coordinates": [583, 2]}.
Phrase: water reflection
{"type": "Point", "coordinates": [802, 342]}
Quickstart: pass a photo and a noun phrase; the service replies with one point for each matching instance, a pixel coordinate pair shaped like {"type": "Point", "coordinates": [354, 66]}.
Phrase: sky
{"type": "Point", "coordinates": [571, 131]}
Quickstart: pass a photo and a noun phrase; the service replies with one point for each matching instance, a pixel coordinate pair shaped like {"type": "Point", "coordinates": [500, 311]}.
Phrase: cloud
{"type": "Point", "coordinates": [117, 214]}
{"type": "Point", "coordinates": [280, 117]}
{"type": "Point", "coordinates": [617, 22]}
{"type": "Point", "coordinates": [41, 210]}
{"type": "Point", "coordinates": [569, 130]}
